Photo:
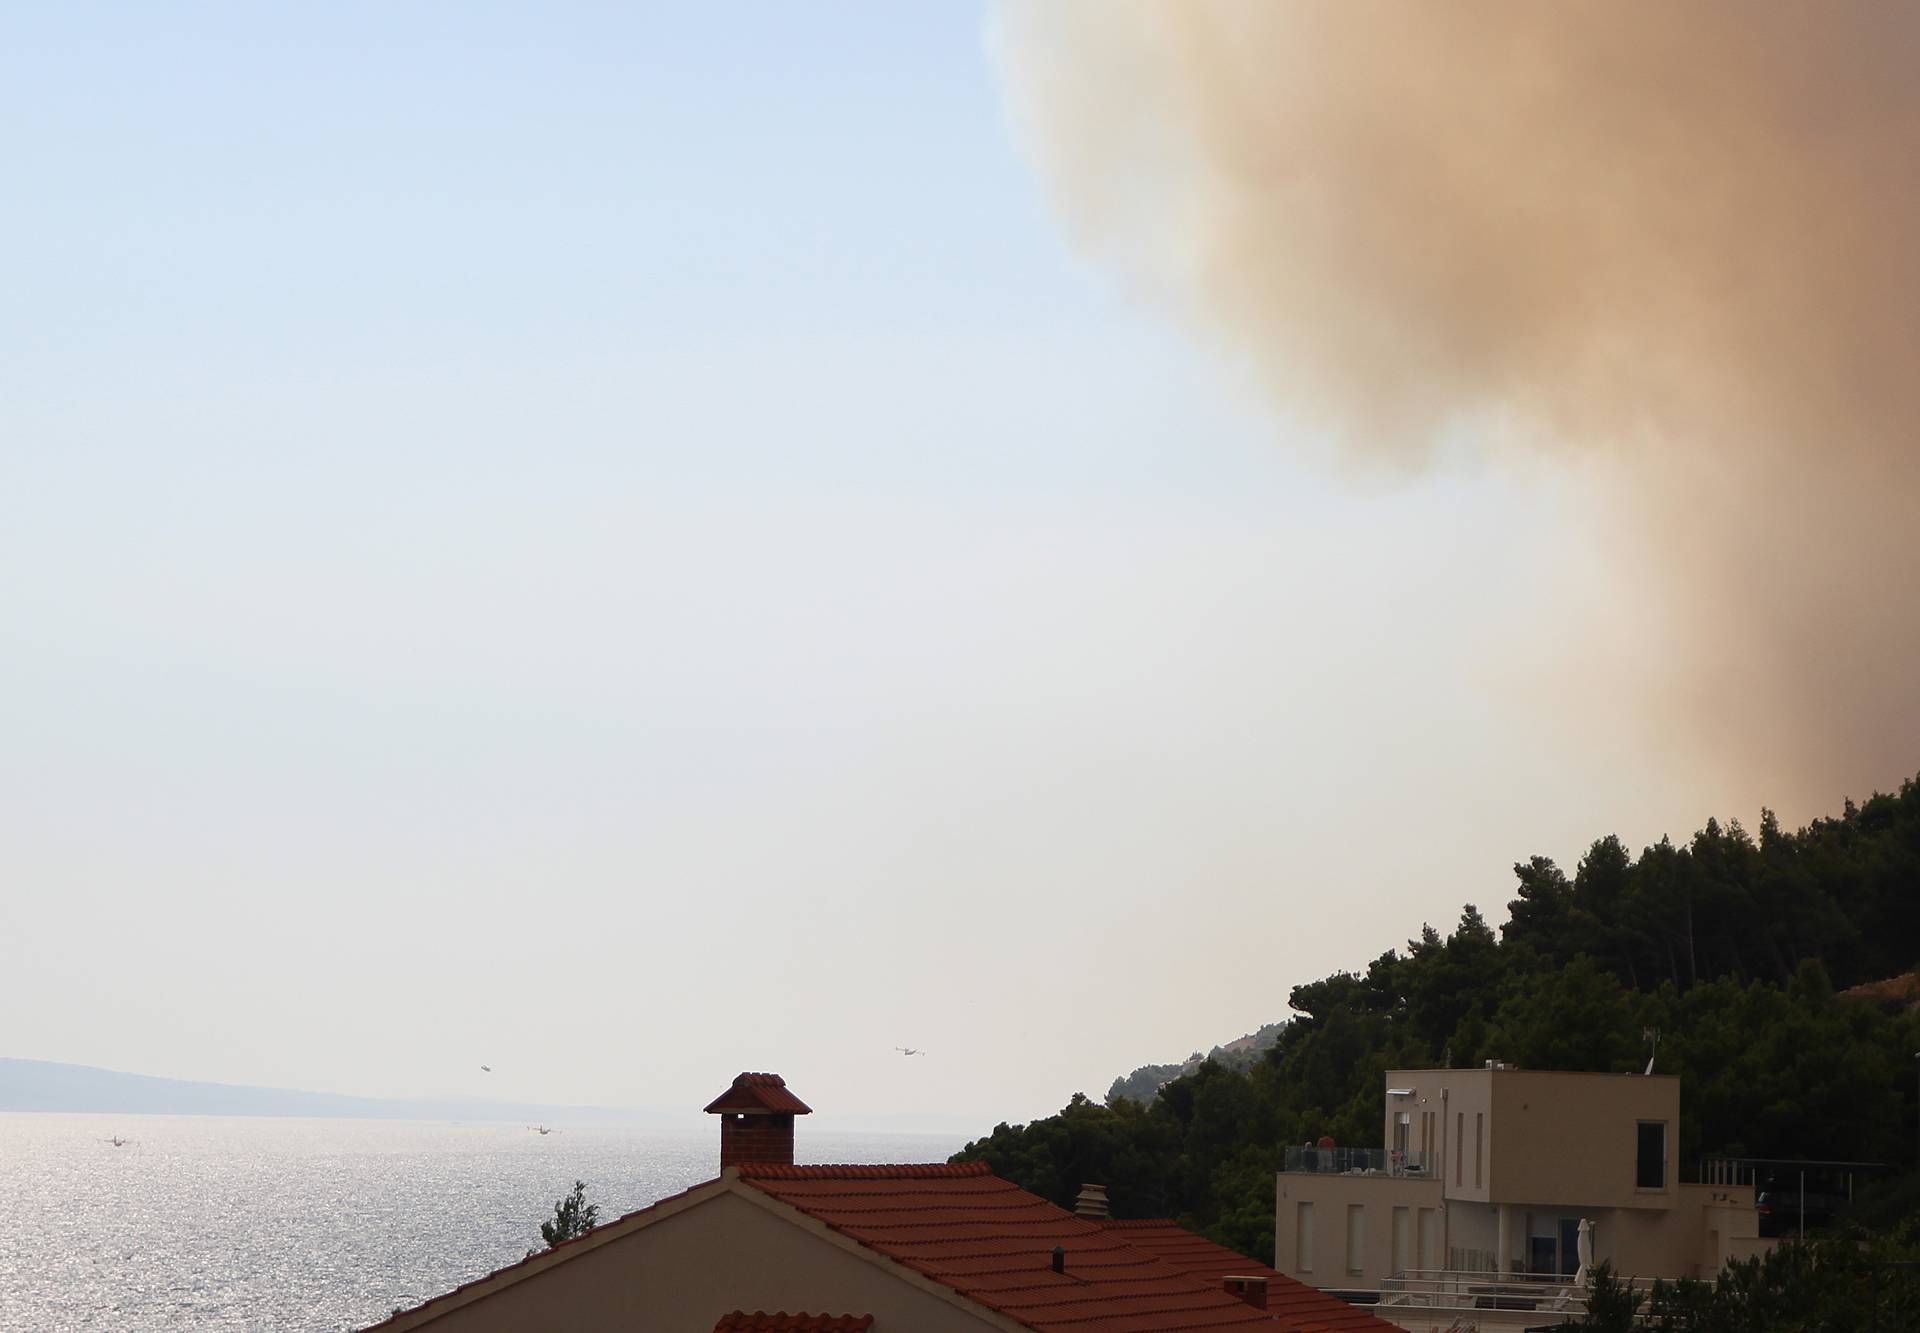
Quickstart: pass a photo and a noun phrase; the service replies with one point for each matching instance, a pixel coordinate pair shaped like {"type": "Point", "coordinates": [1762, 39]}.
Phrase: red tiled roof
{"type": "Point", "coordinates": [758, 1092]}
{"type": "Point", "coordinates": [762, 1322]}
{"type": "Point", "coordinates": [1300, 1306]}
{"type": "Point", "coordinates": [992, 1242]}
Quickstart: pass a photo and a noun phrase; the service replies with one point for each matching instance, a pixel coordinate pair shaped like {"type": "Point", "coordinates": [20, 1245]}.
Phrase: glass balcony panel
{"type": "Point", "coordinates": [1359, 1162]}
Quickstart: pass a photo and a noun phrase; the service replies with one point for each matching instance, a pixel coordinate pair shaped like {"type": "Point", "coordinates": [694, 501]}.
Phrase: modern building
{"type": "Point", "coordinates": [1491, 1171]}
{"type": "Point", "coordinates": [920, 1248]}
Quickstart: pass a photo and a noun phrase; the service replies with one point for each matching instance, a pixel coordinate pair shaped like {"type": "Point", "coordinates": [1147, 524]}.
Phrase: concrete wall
{"type": "Point", "coordinates": [1708, 1225]}
{"type": "Point", "coordinates": [1574, 1137]}
{"type": "Point", "coordinates": [1461, 1102]}
{"type": "Point", "coordinates": [685, 1270]}
{"type": "Point", "coordinates": [1332, 1263]}
{"type": "Point", "coordinates": [1462, 1105]}
{"type": "Point", "coordinates": [1533, 1134]}
{"type": "Point", "coordinates": [1732, 1228]}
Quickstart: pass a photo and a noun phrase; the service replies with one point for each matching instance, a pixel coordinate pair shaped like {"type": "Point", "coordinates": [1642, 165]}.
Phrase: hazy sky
{"type": "Point", "coordinates": [621, 543]}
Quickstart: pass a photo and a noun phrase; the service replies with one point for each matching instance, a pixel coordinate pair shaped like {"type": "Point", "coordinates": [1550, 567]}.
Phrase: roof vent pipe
{"type": "Point", "coordinates": [1059, 1258]}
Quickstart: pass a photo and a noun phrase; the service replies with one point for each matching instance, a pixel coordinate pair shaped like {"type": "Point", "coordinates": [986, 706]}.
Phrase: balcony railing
{"type": "Point", "coordinates": [1360, 1162]}
{"type": "Point", "coordinates": [1455, 1291]}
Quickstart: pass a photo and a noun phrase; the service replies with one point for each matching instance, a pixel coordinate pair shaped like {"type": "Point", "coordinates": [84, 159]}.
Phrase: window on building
{"type": "Point", "coordinates": [1650, 1161]}
{"type": "Point", "coordinates": [1356, 1239]}
{"type": "Point", "coordinates": [1402, 1258]}
{"type": "Point", "coordinates": [1459, 1147]}
{"type": "Point", "coordinates": [1479, 1143]}
{"type": "Point", "coordinates": [1303, 1238]}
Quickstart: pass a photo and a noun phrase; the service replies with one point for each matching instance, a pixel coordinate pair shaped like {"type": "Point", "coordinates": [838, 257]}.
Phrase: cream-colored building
{"type": "Point", "coordinates": [1492, 1170]}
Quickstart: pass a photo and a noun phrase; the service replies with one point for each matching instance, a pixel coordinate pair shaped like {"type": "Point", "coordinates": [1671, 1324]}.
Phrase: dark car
{"type": "Point", "coordinates": [1780, 1209]}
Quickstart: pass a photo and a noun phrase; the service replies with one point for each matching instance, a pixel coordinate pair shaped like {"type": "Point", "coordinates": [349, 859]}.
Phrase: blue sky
{"type": "Point", "coordinates": [620, 543]}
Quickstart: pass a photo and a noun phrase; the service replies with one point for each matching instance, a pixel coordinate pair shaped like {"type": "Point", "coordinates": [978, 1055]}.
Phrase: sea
{"type": "Point", "coordinates": [226, 1222]}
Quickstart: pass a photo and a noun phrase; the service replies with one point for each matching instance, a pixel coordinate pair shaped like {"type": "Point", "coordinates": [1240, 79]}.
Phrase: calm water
{"type": "Point", "coordinates": [212, 1222]}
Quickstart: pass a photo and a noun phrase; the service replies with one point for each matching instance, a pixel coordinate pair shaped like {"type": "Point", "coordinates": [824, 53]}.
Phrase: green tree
{"type": "Point", "coordinates": [1612, 1305]}
{"type": "Point", "coordinates": [1574, 1017]}
{"type": "Point", "coordinates": [1841, 1286]}
{"type": "Point", "coordinates": [572, 1216]}
{"type": "Point", "coordinates": [1543, 916]}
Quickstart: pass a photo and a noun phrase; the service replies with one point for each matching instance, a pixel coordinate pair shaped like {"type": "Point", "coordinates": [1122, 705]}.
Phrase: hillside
{"type": "Point", "coordinates": [1895, 995]}
{"type": "Point", "coordinates": [1144, 1083]}
{"type": "Point", "coordinates": [1730, 945]}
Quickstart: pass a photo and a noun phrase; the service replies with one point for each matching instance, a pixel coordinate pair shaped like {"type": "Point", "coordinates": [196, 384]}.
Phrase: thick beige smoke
{"type": "Point", "coordinates": [1672, 246]}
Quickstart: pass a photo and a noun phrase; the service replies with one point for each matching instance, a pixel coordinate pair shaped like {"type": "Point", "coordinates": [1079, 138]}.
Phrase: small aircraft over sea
{"type": "Point", "coordinates": [117, 1141]}
{"type": "Point", "coordinates": [909, 1050]}
{"type": "Point", "coordinates": [542, 1129]}
{"type": "Point", "coordinates": [486, 1069]}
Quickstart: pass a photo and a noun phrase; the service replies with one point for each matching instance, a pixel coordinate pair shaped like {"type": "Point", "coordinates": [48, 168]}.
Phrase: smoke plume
{"type": "Point", "coordinates": [1673, 249]}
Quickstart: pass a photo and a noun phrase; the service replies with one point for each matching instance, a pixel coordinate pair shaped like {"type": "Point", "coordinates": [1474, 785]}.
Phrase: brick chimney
{"type": "Point", "coordinates": [1252, 1290]}
{"type": "Point", "coordinates": [756, 1120]}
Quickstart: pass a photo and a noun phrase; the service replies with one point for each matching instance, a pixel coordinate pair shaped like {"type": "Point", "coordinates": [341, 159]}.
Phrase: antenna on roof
{"type": "Point", "coordinates": [1651, 1035]}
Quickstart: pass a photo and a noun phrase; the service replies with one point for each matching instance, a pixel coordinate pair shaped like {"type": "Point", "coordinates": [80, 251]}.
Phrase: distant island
{"type": "Point", "coordinates": [44, 1085]}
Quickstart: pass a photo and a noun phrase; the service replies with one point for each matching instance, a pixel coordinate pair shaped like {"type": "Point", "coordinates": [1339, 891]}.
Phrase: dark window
{"type": "Point", "coordinates": [1569, 1246]}
{"type": "Point", "coordinates": [1540, 1255]}
{"type": "Point", "coordinates": [1650, 1166]}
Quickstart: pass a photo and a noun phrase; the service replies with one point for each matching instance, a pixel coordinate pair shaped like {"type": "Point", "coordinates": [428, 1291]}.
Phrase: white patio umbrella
{"type": "Point", "coordinates": [1585, 1251]}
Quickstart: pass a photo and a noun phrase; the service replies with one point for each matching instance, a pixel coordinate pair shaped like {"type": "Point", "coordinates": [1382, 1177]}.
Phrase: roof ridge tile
{"type": "Point", "coordinates": [864, 1171]}
{"type": "Point", "coordinates": [739, 1321]}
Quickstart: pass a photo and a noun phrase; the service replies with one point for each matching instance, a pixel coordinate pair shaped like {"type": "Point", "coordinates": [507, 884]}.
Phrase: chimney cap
{"type": "Point", "coordinates": [758, 1094]}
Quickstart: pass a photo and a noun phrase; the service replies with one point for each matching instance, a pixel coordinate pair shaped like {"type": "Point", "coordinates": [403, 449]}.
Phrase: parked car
{"type": "Point", "coordinates": [1780, 1205]}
